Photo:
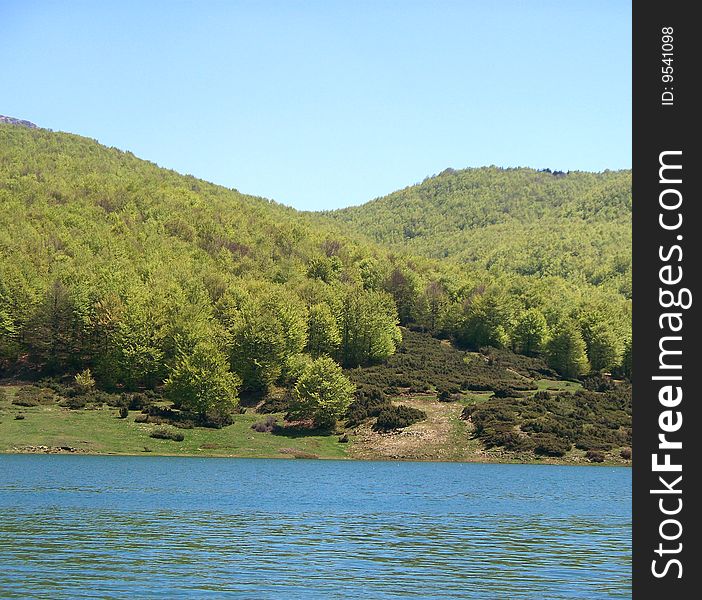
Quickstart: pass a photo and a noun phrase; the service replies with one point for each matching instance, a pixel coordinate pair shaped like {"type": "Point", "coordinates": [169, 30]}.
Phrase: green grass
{"type": "Point", "coordinates": [475, 397]}
{"type": "Point", "coordinates": [556, 385]}
{"type": "Point", "coordinates": [101, 431]}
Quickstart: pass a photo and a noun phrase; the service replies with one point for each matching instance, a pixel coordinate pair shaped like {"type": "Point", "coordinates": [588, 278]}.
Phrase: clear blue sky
{"type": "Point", "coordinates": [323, 104]}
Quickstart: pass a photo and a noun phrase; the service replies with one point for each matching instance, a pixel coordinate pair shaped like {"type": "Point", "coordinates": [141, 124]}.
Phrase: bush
{"type": "Point", "coordinates": [163, 433]}
{"type": "Point", "coordinates": [216, 419]}
{"type": "Point", "coordinates": [625, 453]}
{"type": "Point", "coordinates": [84, 381]}
{"type": "Point", "coordinates": [180, 419]}
{"type": "Point", "coordinates": [367, 403]}
{"type": "Point", "coordinates": [505, 392]}
{"type": "Point", "coordinates": [397, 417]}
{"type": "Point", "coordinates": [550, 445]}
{"type": "Point", "coordinates": [598, 383]}
{"type": "Point", "coordinates": [595, 456]}
{"type": "Point", "coordinates": [123, 412]}
{"type": "Point", "coordinates": [137, 401]}
{"type": "Point", "coordinates": [26, 402]}
{"type": "Point", "coordinates": [265, 426]}
{"type": "Point", "coordinates": [30, 395]}
{"type": "Point", "coordinates": [275, 403]}
{"type": "Point", "coordinates": [74, 403]}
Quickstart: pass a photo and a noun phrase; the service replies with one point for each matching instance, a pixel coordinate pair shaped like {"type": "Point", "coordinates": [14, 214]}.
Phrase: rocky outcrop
{"type": "Point", "coordinates": [20, 122]}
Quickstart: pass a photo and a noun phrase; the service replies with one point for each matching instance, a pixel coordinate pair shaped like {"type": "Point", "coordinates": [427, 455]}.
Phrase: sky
{"type": "Point", "coordinates": [329, 103]}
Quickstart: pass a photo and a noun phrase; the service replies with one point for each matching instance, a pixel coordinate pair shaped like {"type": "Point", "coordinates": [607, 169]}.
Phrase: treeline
{"type": "Point", "coordinates": [146, 278]}
{"type": "Point", "coordinates": [574, 226]}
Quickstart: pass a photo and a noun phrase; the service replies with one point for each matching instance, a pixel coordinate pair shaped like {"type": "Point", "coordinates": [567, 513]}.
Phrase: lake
{"type": "Point", "coordinates": [143, 527]}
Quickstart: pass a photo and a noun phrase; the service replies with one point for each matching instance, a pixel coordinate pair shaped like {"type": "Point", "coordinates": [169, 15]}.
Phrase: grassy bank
{"type": "Point", "coordinates": [101, 431]}
{"type": "Point", "coordinates": [442, 436]}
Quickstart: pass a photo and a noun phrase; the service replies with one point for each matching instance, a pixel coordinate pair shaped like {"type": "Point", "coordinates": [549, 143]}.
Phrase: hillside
{"type": "Point", "coordinates": [575, 226]}
{"type": "Point", "coordinates": [120, 279]}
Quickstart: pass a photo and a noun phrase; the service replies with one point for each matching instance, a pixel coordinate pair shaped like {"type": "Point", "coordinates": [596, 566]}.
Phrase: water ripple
{"type": "Point", "coordinates": [87, 527]}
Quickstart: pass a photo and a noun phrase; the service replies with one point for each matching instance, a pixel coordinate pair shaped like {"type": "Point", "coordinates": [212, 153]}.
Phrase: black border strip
{"type": "Point", "coordinates": [664, 130]}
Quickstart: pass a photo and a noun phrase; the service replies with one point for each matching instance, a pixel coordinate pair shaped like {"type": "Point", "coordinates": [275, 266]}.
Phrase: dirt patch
{"type": "Point", "coordinates": [442, 436]}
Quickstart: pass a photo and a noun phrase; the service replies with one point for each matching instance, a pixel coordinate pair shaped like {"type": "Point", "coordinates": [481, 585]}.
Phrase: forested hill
{"type": "Point", "coordinates": [119, 275]}
{"type": "Point", "coordinates": [575, 225]}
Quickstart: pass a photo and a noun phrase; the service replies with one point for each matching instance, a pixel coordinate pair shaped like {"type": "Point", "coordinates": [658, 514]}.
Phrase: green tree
{"type": "Point", "coordinates": [201, 381]}
{"type": "Point", "coordinates": [55, 333]}
{"type": "Point", "coordinates": [368, 327]}
{"type": "Point", "coordinates": [530, 332]}
{"type": "Point", "coordinates": [325, 268]}
{"type": "Point", "coordinates": [322, 393]}
{"type": "Point", "coordinates": [403, 284]}
{"type": "Point", "coordinates": [323, 331]}
{"type": "Point", "coordinates": [565, 351]}
{"type": "Point", "coordinates": [486, 319]}
{"type": "Point", "coordinates": [267, 329]}
{"type": "Point", "coordinates": [602, 348]}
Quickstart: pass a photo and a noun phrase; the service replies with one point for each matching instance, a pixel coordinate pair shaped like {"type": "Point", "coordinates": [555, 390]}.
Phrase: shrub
{"type": "Point", "coordinates": [550, 445]}
{"type": "Point", "coordinates": [598, 383]}
{"type": "Point", "coordinates": [137, 401]}
{"type": "Point", "coordinates": [595, 456]}
{"type": "Point", "coordinates": [397, 417]}
{"type": "Point", "coordinates": [26, 402]}
{"type": "Point", "coordinates": [74, 403]}
{"type": "Point", "coordinates": [467, 412]}
{"type": "Point", "coordinates": [505, 392]}
{"type": "Point", "coordinates": [265, 426]}
{"type": "Point", "coordinates": [30, 395]}
{"type": "Point", "coordinates": [85, 381]}
{"type": "Point", "coordinates": [216, 419]}
{"type": "Point", "coordinates": [625, 453]}
{"type": "Point", "coordinates": [275, 403]}
{"type": "Point", "coordinates": [163, 433]}
{"type": "Point", "coordinates": [123, 412]}
{"type": "Point", "coordinates": [367, 404]}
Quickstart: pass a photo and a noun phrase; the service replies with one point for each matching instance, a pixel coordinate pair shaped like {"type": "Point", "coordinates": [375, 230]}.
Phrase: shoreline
{"type": "Point", "coordinates": [550, 463]}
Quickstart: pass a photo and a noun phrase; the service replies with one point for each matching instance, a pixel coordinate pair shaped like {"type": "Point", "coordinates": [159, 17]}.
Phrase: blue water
{"type": "Point", "coordinates": [146, 527]}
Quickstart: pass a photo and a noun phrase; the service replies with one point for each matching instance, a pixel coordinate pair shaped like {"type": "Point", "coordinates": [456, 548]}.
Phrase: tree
{"type": "Point", "coordinates": [324, 268]}
{"type": "Point", "coordinates": [322, 393]}
{"type": "Point", "coordinates": [566, 351]}
{"type": "Point", "coordinates": [267, 328]}
{"type": "Point", "coordinates": [201, 381]}
{"type": "Point", "coordinates": [436, 301]}
{"type": "Point", "coordinates": [55, 332]}
{"type": "Point", "coordinates": [487, 315]}
{"type": "Point", "coordinates": [602, 348]}
{"type": "Point", "coordinates": [323, 335]}
{"type": "Point", "coordinates": [84, 381]}
{"type": "Point", "coordinates": [371, 274]}
{"type": "Point", "coordinates": [404, 286]}
{"type": "Point", "coordinates": [368, 327]}
{"type": "Point", "coordinates": [530, 332]}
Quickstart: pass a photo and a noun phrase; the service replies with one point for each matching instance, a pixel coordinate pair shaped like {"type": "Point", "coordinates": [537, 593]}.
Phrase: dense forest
{"type": "Point", "coordinates": [575, 226]}
{"type": "Point", "coordinates": [121, 276]}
